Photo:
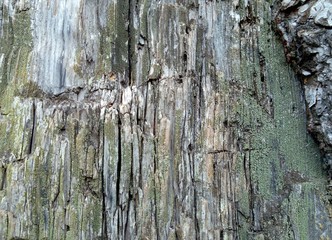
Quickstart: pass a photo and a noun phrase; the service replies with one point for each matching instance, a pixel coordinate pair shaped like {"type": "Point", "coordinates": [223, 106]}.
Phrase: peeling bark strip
{"type": "Point", "coordinates": [305, 27]}
{"type": "Point", "coordinates": [143, 119]}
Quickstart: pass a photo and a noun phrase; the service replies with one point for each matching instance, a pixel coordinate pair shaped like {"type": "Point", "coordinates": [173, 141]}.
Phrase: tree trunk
{"type": "Point", "coordinates": [173, 119]}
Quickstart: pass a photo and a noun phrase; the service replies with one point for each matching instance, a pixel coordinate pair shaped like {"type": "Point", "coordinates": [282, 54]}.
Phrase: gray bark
{"type": "Point", "coordinates": [174, 119]}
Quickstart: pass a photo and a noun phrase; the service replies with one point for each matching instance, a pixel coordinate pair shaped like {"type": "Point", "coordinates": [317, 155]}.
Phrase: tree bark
{"type": "Point", "coordinates": [173, 119]}
{"type": "Point", "coordinates": [305, 31]}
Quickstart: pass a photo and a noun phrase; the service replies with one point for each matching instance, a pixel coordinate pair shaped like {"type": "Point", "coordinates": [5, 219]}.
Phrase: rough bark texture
{"type": "Point", "coordinates": [305, 27]}
{"type": "Point", "coordinates": [174, 119]}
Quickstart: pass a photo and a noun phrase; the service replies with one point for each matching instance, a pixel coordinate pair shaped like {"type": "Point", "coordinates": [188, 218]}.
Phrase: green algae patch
{"type": "Point", "coordinates": [282, 160]}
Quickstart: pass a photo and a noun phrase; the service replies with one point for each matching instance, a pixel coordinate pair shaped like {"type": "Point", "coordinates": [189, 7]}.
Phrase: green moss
{"type": "Point", "coordinates": [114, 40]}
{"type": "Point", "coordinates": [120, 49]}
{"type": "Point", "coordinates": [142, 31]}
{"type": "Point", "coordinates": [144, 19]}
{"type": "Point", "coordinates": [106, 43]}
{"type": "Point", "coordinates": [96, 217]}
{"type": "Point", "coordinates": [16, 45]}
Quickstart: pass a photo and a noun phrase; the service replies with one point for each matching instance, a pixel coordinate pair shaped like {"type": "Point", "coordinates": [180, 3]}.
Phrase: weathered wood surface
{"type": "Point", "coordinates": [153, 120]}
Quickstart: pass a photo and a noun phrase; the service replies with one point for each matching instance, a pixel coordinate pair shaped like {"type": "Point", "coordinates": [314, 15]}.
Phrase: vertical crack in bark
{"type": "Point", "coordinates": [130, 36]}
{"type": "Point", "coordinates": [7, 223]}
{"type": "Point", "coordinates": [64, 222]}
{"type": "Point", "coordinates": [245, 168]}
{"type": "Point", "coordinates": [32, 137]}
{"type": "Point", "coordinates": [291, 232]}
{"type": "Point", "coordinates": [53, 212]}
{"type": "Point", "coordinates": [127, 233]}
{"type": "Point", "coordinates": [249, 168]}
{"type": "Point", "coordinates": [146, 88]}
{"type": "Point", "coordinates": [170, 180]}
{"type": "Point", "coordinates": [127, 224]}
{"type": "Point", "coordinates": [251, 191]}
{"type": "Point", "coordinates": [103, 178]}
{"type": "Point", "coordinates": [235, 221]}
{"type": "Point", "coordinates": [1, 18]}
{"type": "Point", "coordinates": [155, 160]}
{"type": "Point", "coordinates": [118, 177]}
{"type": "Point", "coordinates": [195, 204]}
{"type": "Point", "coordinates": [3, 180]}
{"type": "Point", "coordinates": [196, 112]}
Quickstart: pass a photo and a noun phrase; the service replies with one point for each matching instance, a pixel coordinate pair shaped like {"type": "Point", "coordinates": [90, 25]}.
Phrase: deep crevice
{"type": "Point", "coordinates": [155, 160]}
{"type": "Point", "coordinates": [119, 163]}
{"type": "Point", "coordinates": [32, 137]}
{"type": "Point", "coordinates": [103, 192]}
{"type": "Point", "coordinates": [197, 97]}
